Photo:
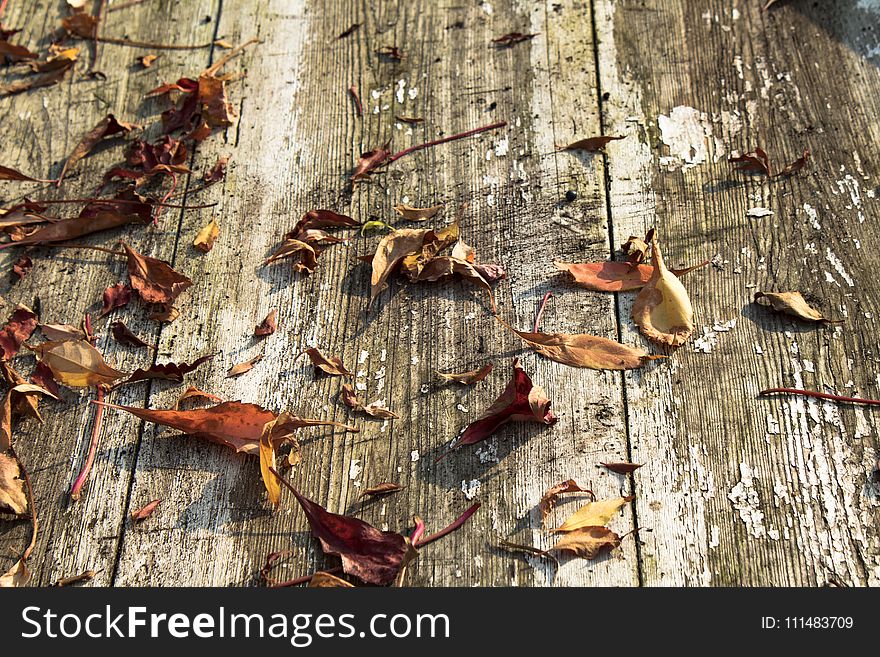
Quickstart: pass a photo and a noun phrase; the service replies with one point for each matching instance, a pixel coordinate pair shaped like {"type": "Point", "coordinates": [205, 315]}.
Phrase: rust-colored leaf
{"type": "Point", "coordinates": [240, 368]}
{"type": "Point", "coordinates": [379, 490]}
{"type": "Point", "coordinates": [794, 167]}
{"type": "Point", "coordinates": [594, 514]}
{"type": "Point", "coordinates": [331, 365]}
{"type": "Point", "coordinates": [662, 310]}
{"type": "Point", "coordinates": [390, 52]}
{"type": "Point", "coordinates": [591, 144]}
{"type": "Point", "coordinates": [588, 542]}
{"type": "Point", "coordinates": [11, 52]}
{"type": "Point", "coordinates": [390, 252]}
{"type": "Point", "coordinates": [194, 393]}
{"type": "Point", "coordinates": [350, 399]}
{"type": "Point", "coordinates": [18, 328]}
{"type": "Point", "coordinates": [61, 332]}
{"type": "Point", "coordinates": [145, 511]}
{"type": "Point", "coordinates": [268, 326]}
{"type": "Point", "coordinates": [521, 401]}
{"type": "Point", "coordinates": [11, 174]}
{"type": "Point", "coordinates": [467, 378]}
{"type": "Point", "coordinates": [615, 276]}
{"type": "Point", "coordinates": [76, 363]}
{"type": "Point", "coordinates": [147, 60]}
{"type": "Point", "coordinates": [106, 127]}
{"type": "Point", "coordinates": [154, 280]}
{"type": "Point", "coordinates": [622, 468]}
{"type": "Point", "coordinates": [791, 303]}
{"type": "Point", "coordinates": [756, 161]}
{"type": "Point", "coordinates": [417, 214]}
{"type": "Point", "coordinates": [583, 350]}
{"type": "Point", "coordinates": [44, 73]}
{"type": "Point", "coordinates": [548, 499]}
{"type": "Point", "coordinates": [636, 249]}
{"type": "Point", "coordinates": [115, 296]}
{"type": "Point", "coordinates": [369, 162]}
{"type": "Point", "coordinates": [167, 371]}
{"type": "Point", "coordinates": [21, 268]}
{"type": "Point", "coordinates": [123, 335]}
{"type": "Point", "coordinates": [512, 38]}
{"type": "Point", "coordinates": [204, 241]}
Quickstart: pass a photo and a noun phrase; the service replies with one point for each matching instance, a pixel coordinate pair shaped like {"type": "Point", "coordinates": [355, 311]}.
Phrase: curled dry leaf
{"type": "Point", "coordinates": [84, 576]}
{"type": "Point", "coordinates": [267, 327]}
{"type": "Point", "coordinates": [521, 401]}
{"type": "Point", "coordinates": [194, 393]}
{"type": "Point", "coordinates": [615, 276]}
{"type": "Point", "coordinates": [795, 166]}
{"type": "Point", "coordinates": [511, 38]}
{"type": "Point", "coordinates": [17, 576]}
{"type": "Point", "coordinates": [307, 240]}
{"type": "Point", "coordinates": [321, 580]}
{"type": "Point", "coordinates": [791, 303]}
{"type": "Point", "coordinates": [588, 542]}
{"type": "Point", "coordinates": [591, 144]}
{"type": "Point", "coordinates": [21, 268]}
{"type": "Point", "coordinates": [636, 249]}
{"type": "Point", "coordinates": [240, 368]}
{"type": "Point", "coordinates": [385, 488]}
{"type": "Point", "coordinates": [548, 499]}
{"type": "Point", "coordinates": [391, 52]}
{"type": "Point", "coordinates": [11, 174]}
{"type": "Point", "coordinates": [18, 328]}
{"type": "Point", "coordinates": [154, 280]}
{"type": "Point", "coordinates": [42, 376]}
{"type": "Point", "coordinates": [217, 172]}
{"type": "Point", "coordinates": [115, 296]}
{"type": "Point", "coordinates": [467, 378]}
{"type": "Point", "coordinates": [369, 162]}
{"type": "Point", "coordinates": [106, 127]}
{"type": "Point", "coordinates": [44, 73]}
{"type": "Point", "coordinates": [662, 310]}
{"type": "Point", "coordinates": [147, 60]}
{"type": "Point", "coordinates": [390, 252]}
{"type": "Point", "coordinates": [349, 398]}
{"type": "Point", "coordinates": [13, 494]}
{"type": "Point", "coordinates": [331, 365]}
{"type": "Point", "coordinates": [21, 399]}
{"type": "Point", "coordinates": [61, 332]}
{"type": "Point", "coordinates": [76, 363]}
{"type": "Point", "coordinates": [758, 161]}
{"type": "Point", "coordinates": [123, 335]}
{"type": "Point", "coordinates": [417, 214]}
{"type": "Point", "coordinates": [167, 371]}
{"type": "Point", "coordinates": [145, 511]}
{"type": "Point", "coordinates": [622, 468]}
{"type": "Point", "coordinates": [204, 241]}
{"type": "Point", "coordinates": [583, 350]}
{"type": "Point", "coordinates": [594, 514]}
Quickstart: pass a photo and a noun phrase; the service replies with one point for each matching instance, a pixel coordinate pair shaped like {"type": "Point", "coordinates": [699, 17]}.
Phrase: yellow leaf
{"type": "Point", "coordinates": [321, 580]}
{"type": "Point", "coordinates": [13, 498]}
{"type": "Point", "coordinates": [663, 310]}
{"type": "Point", "coordinates": [76, 363]}
{"type": "Point", "coordinates": [16, 576]}
{"type": "Point", "coordinates": [594, 514]}
{"type": "Point", "coordinates": [204, 241]}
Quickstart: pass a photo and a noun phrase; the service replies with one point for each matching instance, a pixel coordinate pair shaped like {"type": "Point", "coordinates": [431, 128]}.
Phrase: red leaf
{"type": "Point", "coordinates": [106, 127]}
{"type": "Point", "coordinates": [21, 323]}
{"type": "Point", "coordinates": [154, 280]}
{"type": "Point", "coordinates": [123, 335]}
{"type": "Point", "coordinates": [115, 296]}
{"type": "Point", "coordinates": [267, 327]}
{"type": "Point", "coordinates": [167, 371]}
{"type": "Point", "coordinates": [21, 268]}
{"type": "Point", "coordinates": [369, 161]}
{"type": "Point", "coordinates": [512, 37]}
{"type": "Point", "coordinates": [144, 512]}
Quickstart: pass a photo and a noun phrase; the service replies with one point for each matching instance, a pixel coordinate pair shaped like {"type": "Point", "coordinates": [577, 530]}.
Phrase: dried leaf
{"type": "Point", "coordinates": [636, 249]}
{"type": "Point", "coordinates": [11, 53]}
{"type": "Point", "coordinates": [194, 393]}
{"type": "Point", "coordinates": [267, 327]}
{"type": "Point", "coordinates": [548, 499]}
{"type": "Point", "coordinates": [11, 174]}
{"type": "Point", "coordinates": [623, 468]}
{"type": "Point", "coordinates": [147, 60]}
{"type": "Point", "coordinates": [322, 580]}
{"type": "Point", "coordinates": [379, 490]}
{"type": "Point", "coordinates": [165, 313]}
{"type": "Point", "coordinates": [13, 494]}
{"type": "Point", "coordinates": [145, 511]}
{"type": "Point", "coordinates": [583, 350]}
{"type": "Point", "coordinates": [76, 363]}
{"type": "Point", "coordinates": [42, 376]}
{"type": "Point", "coordinates": [521, 401]}
{"type": "Point", "coordinates": [167, 371]}
{"type": "Point", "coordinates": [51, 71]}
{"type": "Point", "coordinates": [591, 144]}
{"type": "Point", "coordinates": [154, 280]}
{"type": "Point", "coordinates": [115, 296]}
{"type": "Point", "coordinates": [18, 328]}
{"type": "Point", "coordinates": [615, 276]}
{"type": "Point", "coordinates": [217, 172]}
{"type": "Point", "coordinates": [791, 303]}
{"type": "Point", "coordinates": [511, 38]}
{"type": "Point", "coordinates": [369, 162]}
{"type": "Point", "coordinates": [21, 399]}
{"type": "Point", "coordinates": [417, 214]}
{"type": "Point", "coordinates": [81, 24]}
{"type": "Point", "coordinates": [594, 514]}
{"type": "Point", "coordinates": [662, 310]}
{"type": "Point", "coordinates": [106, 127]}
{"type": "Point", "coordinates": [349, 398]}
{"type": "Point", "coordinates": [413, 120]}
{"type": "Point", "coordinates": [795, 166]}
{"type": "Point", "coordinates": [391, 52]}
{"type": "Point", "coordinates": [349, 31]}
{"type": "Point", "coordinates": [588, 542]}
{"type": "Point", "coordinates": [440, 267]}
{"type": "Point", "coordinates": [123, 335]}
{"type": "Point", "coordinates": [61, 332]}
{"type": "Point", "coordinates": [331, 365]}
{"type": "Point", "coordinates": [21, 268]}
{"type": "Point", "coordinates": [756, 161]}
{"type": "Point", "coordinates": [467, 378]}
{"type": "Point", "coordinates": [240, 368]}
{"type": "Point", "coordinates": [204, 241]}
{"type": "Point", "coordinates": [390, 252]}
{"type": "Point", "coordinates": [17, 576]}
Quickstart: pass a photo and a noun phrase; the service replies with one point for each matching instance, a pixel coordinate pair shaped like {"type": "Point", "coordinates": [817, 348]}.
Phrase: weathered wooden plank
{"type": "Point", "coordinates": [741, 491]}
{"type": "Point", "coordinates": [296, 141]}
{"type": "Point", "coordinates": [41, 128]}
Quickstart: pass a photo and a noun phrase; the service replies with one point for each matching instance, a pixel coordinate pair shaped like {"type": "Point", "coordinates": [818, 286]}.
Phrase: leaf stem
{"type": "Point", "coordinates": [436, 142]}
{"type": "Point", "coordinates": [76, 490]}
{"type": "Point", "coordinates": [115, 201]}
{"type": "Point", "coordinates": [357, 100]}
{"type": "Point", "coordinates": [819, 395]}
{"type": "Point", "coordinates": [458, 522]}
{"type": "Point", "coordinates": [540, 312]}
{"type": "Point", "coordinates": [147, 44]}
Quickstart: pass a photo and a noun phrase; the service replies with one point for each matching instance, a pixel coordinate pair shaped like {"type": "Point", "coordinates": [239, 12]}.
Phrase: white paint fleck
{"type": "Point", "coordinates": [714, 537]}
{"type": "Point", "coordinates": [487, 8]}
{"type": "Point", "coordinates": [470, 488]}
{"type": "Point", "coordinates": [362, 358]}
{"type": "Point", "coordinates": [414, 455]}
{"type": "Point", "coordinates": [759, 212]}
{"type": "Point", "coordinates": [813, 216]}
{"type": "Point", "coordinates": [502, 147]}
{"type": "Point", "coordinates": [401, 86]}
{"type": "Point", "coordinates": [745, 499]}
{"type": "Point", "coordinates": [355, 469]}
{"type": "Point", "coordinates": [684, 132]}
{"type": "Point", "coordinates": [838, 266]}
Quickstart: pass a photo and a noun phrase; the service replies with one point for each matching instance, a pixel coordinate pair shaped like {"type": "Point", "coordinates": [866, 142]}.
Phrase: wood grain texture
{"type": "Point", "coordinates": [735, 490]}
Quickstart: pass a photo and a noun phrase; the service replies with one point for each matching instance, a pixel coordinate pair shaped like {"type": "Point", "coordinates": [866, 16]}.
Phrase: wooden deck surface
{"type": "Point", "coordinates": [735, 490]}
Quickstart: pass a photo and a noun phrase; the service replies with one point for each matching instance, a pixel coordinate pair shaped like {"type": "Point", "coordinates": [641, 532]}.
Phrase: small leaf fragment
{"type": "Point", "coordinates": [417, 214]}
{"type": "Point", "coordinates": [588, 542]}
{"type": "Point", "coordinates": [145, 511]}
{"type": "Point", "coordinates": [622, 468]}
{"type": "Point", "coordinates": [791, 303]}
{"type": "Point", "coordinates": [13, 495]}
{"type": "Point", "coordinates": [18, 328]}
{"type": "Point", "coordinates": [204, 241]}
{"type": "Point", "coordinates": [548, 499]}
{"type": "Point", "coordinates": [322, 580]}
{"type": "Point", "coordinates": [349, 398]}
{"type": "Point", "coordinates": [123, 335]}
{"type": "Point", "coordinates": [331, 365]}
{"type": "Point", "coordinates": [268, 326]}
{"type": "Point", "coordinates": [594, 514]}
{"type": "Point", "coordinates": [467, 378]}
{"type": "Point", "coordinates": [379, 490]}
{"type": "Point", "coordinates": [115, 296]}
{"type": "Point", "coordinates": [240, 368]}
{"type": "Point", "coordinates": [591, 144]}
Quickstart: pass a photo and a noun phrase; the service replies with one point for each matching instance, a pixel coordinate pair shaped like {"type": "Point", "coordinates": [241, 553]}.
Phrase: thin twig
{"type": "Point", "coordinates": [819, 395]}
{"type": "Point", "coordinates": [114, 201]}
{"type": "Point", "coordinates": [76, 490]}
{"type": "Point", "coordinates": [211, 70]}
{"type": "Point", "coordinates": [540, 312]}
{"type": "Point", "coordinates": [147, 44]}
{"type": "Point", "coordinates": [436, 142]}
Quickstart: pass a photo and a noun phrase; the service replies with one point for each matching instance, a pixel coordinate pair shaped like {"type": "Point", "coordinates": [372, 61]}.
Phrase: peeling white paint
{"type": "Point", "coordinates": [685, 132]}
{"type": "Point", "coordinates": [745, 499]}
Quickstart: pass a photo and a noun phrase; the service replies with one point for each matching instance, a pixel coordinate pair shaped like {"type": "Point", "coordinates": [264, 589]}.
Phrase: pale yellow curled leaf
{"type": "Point", "coordinates": [392, 249]}
{"type": "Point", "coordinates": [587, 542]}
{"type": "Point", "coordinates": [594, 514]}
{"type": "Point", "coordinates": [663, 310]}
{"type": "Point", "coordinates": [17, 576]}
{"type": "Point", "coordinates": [791, 303]}
{"type": "Point", "coordinates": [13, 495]}
{"type": "Point", "coordinates": [416, 214]}
{"type": "Point", "coordinates": [322, 580]}
{"type": "Point", "coordinates": [267, 462]}
{"type": "Point", "coordinates": [76, 363]}
{"type": "Point", "coordinates": [204, 241]}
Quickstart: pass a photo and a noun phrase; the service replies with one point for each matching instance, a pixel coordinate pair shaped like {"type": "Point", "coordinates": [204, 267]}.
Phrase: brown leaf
{"type": "Point", "coordinates": [61, 332]}
{"type": "Point", "coordinates": [349, 398]}
{"type": "Point", "coordinates": [267, 327]}
{"type": "Point", "coordinates": [167, 371]}
{"type": "Point", "coordinates": [21, 399]}
{"type": "Point", "coordinates": [11, 174]}
{"type": "Point", "coordinates": [331, 365]}
{"type": "Point", "coordinates": [391, 52]}
{"type": "Point", "coordinates": [756, 161]}
{"type": "Point", "coordinates": [793, 304]}
{"type": "Point", "coordinates": [413, 120]}
{"type": "Point", "coordinates": [548, 499]}
{"type": "Point", "coordinates": [76, 363]}
{"type": "Point", "coordinates": [662, 310]}
{"type": "Point", "coordinates": [390, 252]}
{"type": "Point", "coordinates": [379, 490]}
{"type": "Point", "coordinates": [594, 514]}
{"type": "Point", "coordinates": [145, 511]}
{"type": "Point", "coordinates": [51, 71]}
{"type": "Point", "coordinates": [417, 214]}
{"type": "Point", "coordinates": [369, 162]}
{"type": "Point", "coordinates": [467, 378]}
{"type": "Point", "coordinates": [154, 280]}
{"type": "Point", "coordinates": [440, 267]}
{"type": "Point", "coordinates": [321, 580]}
{"type": "Point", "coordinates": [147, 60]}
{"type": "Point", "coordinates": [21, 268]}
{"type": "Point", "coordinates": [115, 296]}
{"type": "Point", "coordinates": [13, 494]}
{"type": "Point", "coordinates": [81, 24]}
{"type": "Point", "coordinates": [17, 576]}
{"type": "Point", "coordinates": [615, 276]}
{"type": "Point", "coordinates": [194, 393]}
{"type": "Point", "coordinates": [511, 38]}
{"type": "Point", "coordinates": [588, 542]}
{"type": "Point", "coordinates": [18, 328]}
{"type": "Point", "coordinates": [12, 53]}
{"type": "Point", "coordinates": [636, 249]}
{"type": "Point", "coordinates": [795, 166]}
{"type": "Point", "coordinates": [42, 376]}
{"type": "Point", "coordinates": [521, 401]}
{"type": "Point", "coordinates": [217, 172]}
{"type": "Point", "coordinates": [583, 350]}
{"type": "Point", "coordinates": [623, 468]}
{"type": "Point", "coordinates": [591, 144]}
{"type": "Point", "coordinates": [240, 368]}
{"type": "Point", "coordinates": [123, 335]}
{"type": "Point", "coordinates": [106, 127]}
{"type": "Point", "coordinates": [165, 312]}
{"type": "Point", "coordinates": [204, 241]}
